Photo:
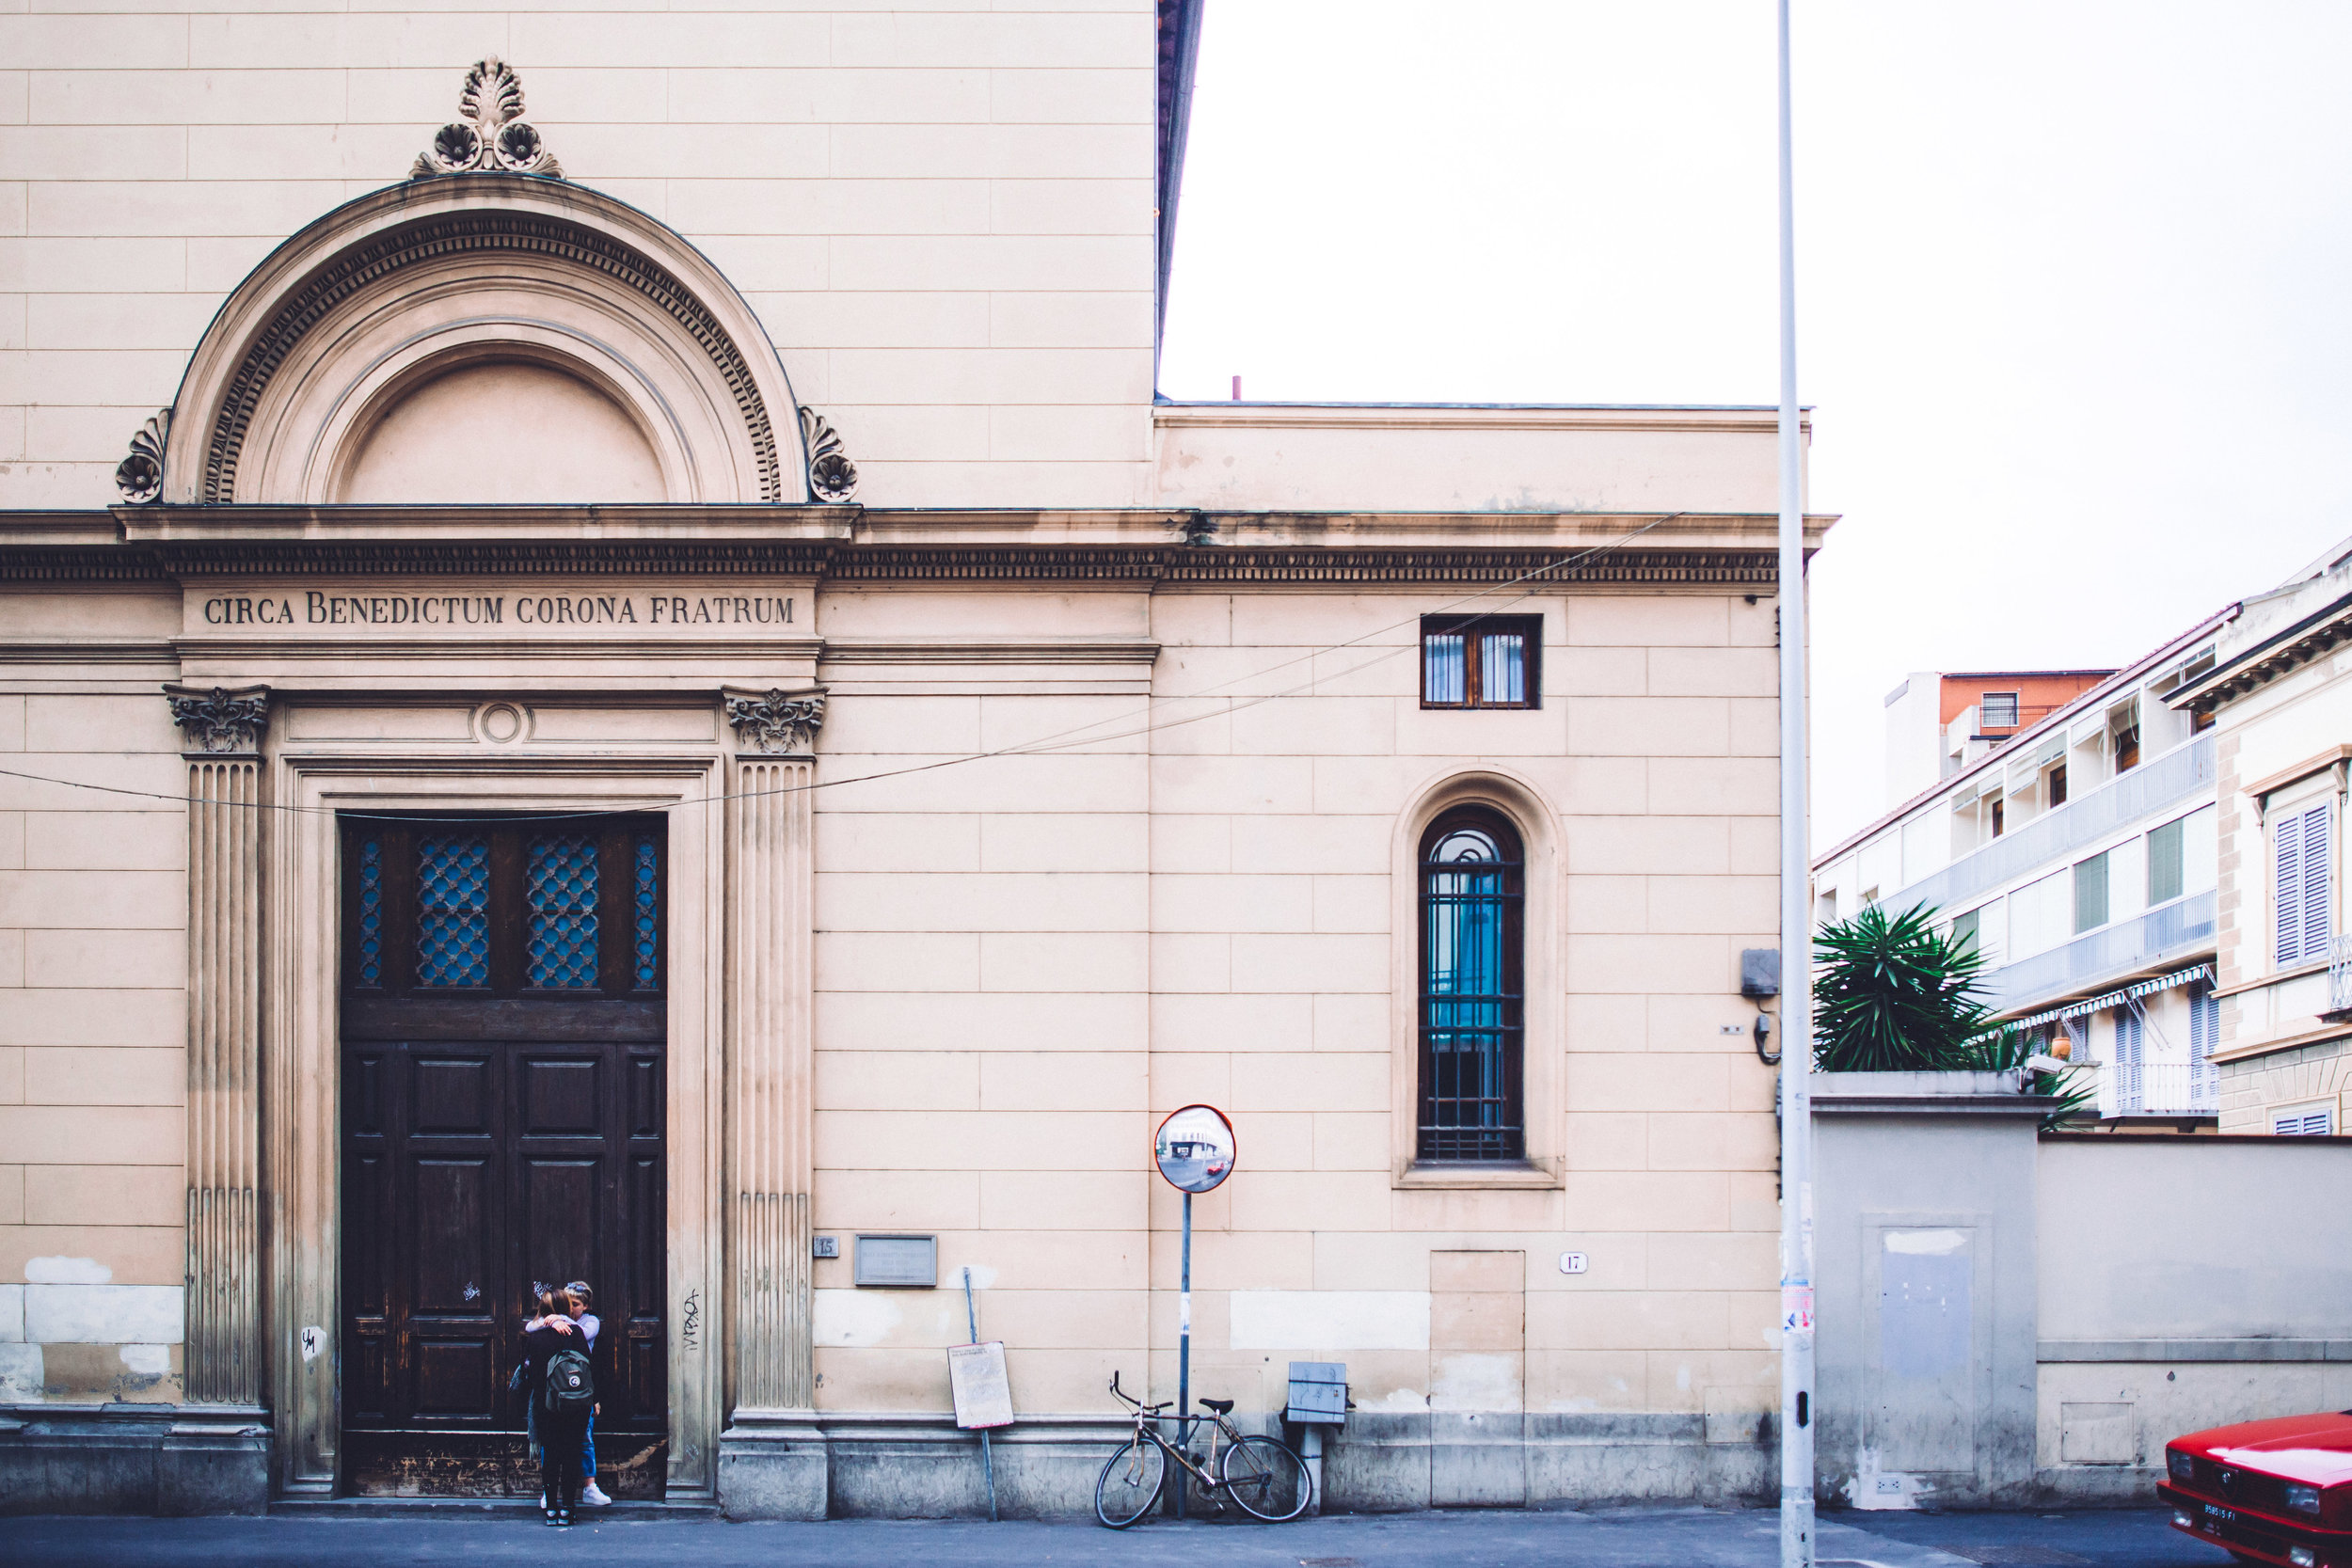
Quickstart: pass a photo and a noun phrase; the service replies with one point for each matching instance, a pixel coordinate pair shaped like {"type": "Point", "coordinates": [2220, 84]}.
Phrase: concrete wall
{"type": "Point", "coordinates": [1924, 1248]}
{"type": "Point", "coordinates": [2229, 1302]}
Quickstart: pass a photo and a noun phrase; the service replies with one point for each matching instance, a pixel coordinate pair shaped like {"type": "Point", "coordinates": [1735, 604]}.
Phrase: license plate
{"type": "Point", "coordinates": [2216, 1517]}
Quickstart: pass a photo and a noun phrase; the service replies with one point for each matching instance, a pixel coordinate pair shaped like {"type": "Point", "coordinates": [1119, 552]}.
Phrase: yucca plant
{"type": "Point", "coordinates": [1892, 994]}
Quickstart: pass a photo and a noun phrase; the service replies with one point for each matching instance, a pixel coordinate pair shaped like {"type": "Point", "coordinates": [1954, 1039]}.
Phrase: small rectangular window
{"type": "Point", "coordinates": [2164, 864]}
{"type": "Point", "coordinates": [2304, 1122]}
{"type": "Point", "coordinates": [2128, 749]}
{"type": "Point", "coordinates": [1482, 661]}
{"type": "Point", "coordinates": [2058, 785]}
{"type": "Point", "coordinates": [2090, 893]}
{"type": "Point", "coordinates": [1997, 711]}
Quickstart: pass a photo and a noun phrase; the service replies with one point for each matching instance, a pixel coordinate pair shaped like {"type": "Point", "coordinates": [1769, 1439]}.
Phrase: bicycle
{"type": "Point", "coordinates": [1265, 1477]}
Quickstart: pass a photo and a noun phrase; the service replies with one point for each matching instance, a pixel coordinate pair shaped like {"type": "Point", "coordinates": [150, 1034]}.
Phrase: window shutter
{"type": "Point", "coordinates": [2317, 859]}
{"type": "Point", "coordinates": [2287, 889]}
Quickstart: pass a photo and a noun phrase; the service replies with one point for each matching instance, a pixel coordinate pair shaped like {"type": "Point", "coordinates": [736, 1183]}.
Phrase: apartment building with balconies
{"type": "Point", "coordinates": [2077, 850]}
{"type": "Point", "coordinates": [2278, 700]}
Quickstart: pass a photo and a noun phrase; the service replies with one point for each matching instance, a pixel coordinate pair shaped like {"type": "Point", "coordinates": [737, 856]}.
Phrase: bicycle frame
{"type": "Point", "coordinates": [1221, 1431]}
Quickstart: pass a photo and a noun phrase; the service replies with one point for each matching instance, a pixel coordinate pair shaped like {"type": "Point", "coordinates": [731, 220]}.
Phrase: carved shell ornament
{"type": "Point", "coordinates": [832, 477]}
{"type": "Point", "coordinates": [140, 476]}
{"type": "Point", "coordinates": [489, 133]}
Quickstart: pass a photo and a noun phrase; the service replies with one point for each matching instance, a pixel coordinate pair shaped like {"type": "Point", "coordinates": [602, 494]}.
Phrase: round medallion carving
{"type": "Point", "coordinates": [501, 723]}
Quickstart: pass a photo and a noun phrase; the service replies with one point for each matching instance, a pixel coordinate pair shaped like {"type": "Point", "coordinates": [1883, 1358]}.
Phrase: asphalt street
{"type": "Point", "coordinates": [1634, 1538]}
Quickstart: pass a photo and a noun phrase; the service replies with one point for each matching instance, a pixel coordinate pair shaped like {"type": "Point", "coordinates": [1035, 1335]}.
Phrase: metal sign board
{"type": "Point", "coordinates": [983, 1396]}
{"type": "Point", "coordinates": [1195, 1148]}
{"type": "Point", "coordinates": [903, 1260]}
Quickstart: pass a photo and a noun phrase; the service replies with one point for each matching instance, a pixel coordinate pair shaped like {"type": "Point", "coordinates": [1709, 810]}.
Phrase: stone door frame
{"type": "Point", "coordinates": [301, 1107]}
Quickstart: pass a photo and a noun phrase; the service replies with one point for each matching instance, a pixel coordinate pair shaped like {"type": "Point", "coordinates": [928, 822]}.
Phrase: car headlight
{"type": "Point", "coordinates": [2183, 1468]}
{"type": "Point", "coordinates": [2303, 1499]}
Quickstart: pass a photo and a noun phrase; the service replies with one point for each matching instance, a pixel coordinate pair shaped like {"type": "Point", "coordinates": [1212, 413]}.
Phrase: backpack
{"type": "Point", "coordinates": [570, 1388]}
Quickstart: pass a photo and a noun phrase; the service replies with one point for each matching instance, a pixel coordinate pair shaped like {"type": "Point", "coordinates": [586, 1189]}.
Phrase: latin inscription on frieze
{"type": "Point", "coordinates": [340, 611]}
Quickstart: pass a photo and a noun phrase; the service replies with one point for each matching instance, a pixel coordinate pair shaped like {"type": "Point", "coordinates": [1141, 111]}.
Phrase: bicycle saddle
{"type": "Point", "coordinates": [1223, 1407]}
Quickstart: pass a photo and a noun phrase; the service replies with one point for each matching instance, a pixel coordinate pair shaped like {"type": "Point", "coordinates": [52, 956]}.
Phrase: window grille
{"type": "Point", "coordinates": [1482, 661]}
{"type": "Point", "coordinates": [371, 921]}
{"type": "Point", "coordinates": [453, 911]}
{"type": "Point", "coordinates": [648, 913]}
{"type": "Point", "coordinates": [562, 887]}
{"type": "Point", "coordinates": [1997, 711]}
{"type": "Point", "coordinates": [1471, 965]}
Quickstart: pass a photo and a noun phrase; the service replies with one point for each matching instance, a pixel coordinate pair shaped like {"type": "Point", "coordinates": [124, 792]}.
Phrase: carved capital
{"type": "Point", "coordinates": [217, 721]}
{"type": "Point", "coordinates": [832, 477]}
{"type": "Point", "coordinates": [489, 133]}
{"type": "Point", "coordinates": [775, 722]}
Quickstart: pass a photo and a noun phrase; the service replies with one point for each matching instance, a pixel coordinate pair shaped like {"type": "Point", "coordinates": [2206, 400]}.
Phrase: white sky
{"type": "Point", "coordinates": [2073, 297]}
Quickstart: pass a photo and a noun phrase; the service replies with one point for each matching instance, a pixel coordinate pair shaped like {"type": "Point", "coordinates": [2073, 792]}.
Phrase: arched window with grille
{"type": "Point", "coordinates": [1472, 980]}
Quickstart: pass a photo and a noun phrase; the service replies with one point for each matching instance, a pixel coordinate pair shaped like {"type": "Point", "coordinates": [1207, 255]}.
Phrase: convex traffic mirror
{"type": "Point", "coordinates": [1195, 1148]}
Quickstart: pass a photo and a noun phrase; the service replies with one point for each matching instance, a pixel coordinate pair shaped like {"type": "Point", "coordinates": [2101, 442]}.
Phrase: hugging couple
{"type": "Point", "coordinates": [559, 1371]}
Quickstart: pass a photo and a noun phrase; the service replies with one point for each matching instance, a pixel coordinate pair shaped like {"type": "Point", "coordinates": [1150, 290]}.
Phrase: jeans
{"type": "Point", "coordinates": [588, 1449]}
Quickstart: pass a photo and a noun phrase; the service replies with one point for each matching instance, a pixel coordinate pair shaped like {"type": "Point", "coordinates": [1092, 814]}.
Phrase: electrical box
{"type": "Point", "coordinates": [1318, 1393]}
{"type": "Point", "coordinates": [908, 1261]}
{"type": "Point", "coordinates": [1759, 972]}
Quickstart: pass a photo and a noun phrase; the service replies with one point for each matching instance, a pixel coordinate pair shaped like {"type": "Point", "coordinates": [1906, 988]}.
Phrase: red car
{"type": "Point", "coordinates": [2277, 1491]}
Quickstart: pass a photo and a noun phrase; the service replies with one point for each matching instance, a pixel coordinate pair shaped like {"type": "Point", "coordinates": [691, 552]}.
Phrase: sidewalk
{"type": "Point", "coordinates": [1644, 1538]}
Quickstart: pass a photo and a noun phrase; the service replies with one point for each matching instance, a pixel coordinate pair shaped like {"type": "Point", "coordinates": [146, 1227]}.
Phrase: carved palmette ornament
{"type": "Point", "coordinates": [489, 133]}
{"type": "Point", "coordinates": [775, 721]}
{"type": "Point", "coordinates": [217, 721]}
{"type": "Point", "coordinates": [140, 476]}
{"type": "Point", "coordinates": [832, 477]}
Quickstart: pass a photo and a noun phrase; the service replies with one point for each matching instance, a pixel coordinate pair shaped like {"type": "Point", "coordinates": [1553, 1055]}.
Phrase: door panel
{"type": "Point", "coordinates": [503, 1126]}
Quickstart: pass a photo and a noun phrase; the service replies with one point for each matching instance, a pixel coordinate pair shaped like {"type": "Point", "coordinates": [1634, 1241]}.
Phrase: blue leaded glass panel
{"type": "Point", "coordinates": [562, 887]}
{"type": "Point", "coordinates": [453, 910]}
{"type": "Point", "coordinates": [372, 913]}
{"type": "Point", "coordinates": [648, 917]}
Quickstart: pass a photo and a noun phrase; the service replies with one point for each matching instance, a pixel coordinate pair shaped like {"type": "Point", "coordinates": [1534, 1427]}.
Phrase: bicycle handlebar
{"type": "Point", "coordinates": [1130, 1399]}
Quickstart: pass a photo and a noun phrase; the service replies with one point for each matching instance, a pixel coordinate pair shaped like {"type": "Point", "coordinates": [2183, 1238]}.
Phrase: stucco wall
{"type": "Point", "coordinates": [93, 911]}
{"type": "Point", "coordinates": [944, 216]}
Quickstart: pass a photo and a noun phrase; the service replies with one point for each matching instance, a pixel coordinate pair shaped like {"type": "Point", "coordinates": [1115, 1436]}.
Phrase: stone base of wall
{"type": "Point", "coordinates": [775, 1464]}
{"type": "Point", "coordinates": [132, 1459]}
{"type": "Point", "coordinates": [920, 1467]}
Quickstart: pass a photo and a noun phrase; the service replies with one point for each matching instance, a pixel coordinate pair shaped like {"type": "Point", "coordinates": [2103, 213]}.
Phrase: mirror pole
{"type": "Point", "coordinates": [1184, 1358]}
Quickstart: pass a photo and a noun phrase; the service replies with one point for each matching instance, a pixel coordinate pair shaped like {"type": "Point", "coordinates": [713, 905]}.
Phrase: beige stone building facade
{"type": "Point", "coordinates": [662, 701]}
{"type": "Point", "coordinates": [2279, 699]}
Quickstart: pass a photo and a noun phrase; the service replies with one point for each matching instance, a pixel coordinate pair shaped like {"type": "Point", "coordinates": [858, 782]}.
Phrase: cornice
{"type": "Point", "coordinates": [845, 544]}
{"type": "Point", "coordinates": [2318, 633]}
{"type": "Point", "coordinates": [598, 558]}
{"type": "Point", "coordinates": [1761, 420]}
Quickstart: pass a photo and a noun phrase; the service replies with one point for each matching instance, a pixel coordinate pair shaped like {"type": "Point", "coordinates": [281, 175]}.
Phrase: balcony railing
{"type": "Point", "coordinates": [2159, 1089]}
{"type": "Point", "coordinates": [2169, 934]}
{"type": "Point", "coordinates": [2339, 975]}
{"type": "Point", "coordinates": [2180, 774]}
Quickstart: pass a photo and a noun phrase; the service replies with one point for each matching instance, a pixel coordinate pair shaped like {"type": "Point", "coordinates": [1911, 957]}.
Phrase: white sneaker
{"type": "Point", "coordinates": [594, 1495]}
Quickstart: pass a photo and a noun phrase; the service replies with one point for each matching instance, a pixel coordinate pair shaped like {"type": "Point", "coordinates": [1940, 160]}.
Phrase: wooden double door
{"type": "Point", "coordinates": [502, 1017]}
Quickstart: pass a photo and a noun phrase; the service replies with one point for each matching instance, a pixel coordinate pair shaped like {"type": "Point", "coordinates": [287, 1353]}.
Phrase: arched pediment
{"type": "Point", "coordinates": [598, 346]}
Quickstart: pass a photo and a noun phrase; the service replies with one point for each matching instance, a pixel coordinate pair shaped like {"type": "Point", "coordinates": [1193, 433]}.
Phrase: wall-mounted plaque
{"type": "Point", "coordinates": [902, 1261]}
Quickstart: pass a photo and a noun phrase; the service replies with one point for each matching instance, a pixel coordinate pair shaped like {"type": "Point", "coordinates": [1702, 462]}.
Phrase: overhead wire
{"type": "Point", "coordinates": [1051, 743]}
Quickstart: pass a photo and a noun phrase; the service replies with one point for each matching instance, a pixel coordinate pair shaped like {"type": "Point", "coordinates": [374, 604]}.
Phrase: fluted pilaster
{"type": "Point", "coordinates": [769, 979]}
{"type": "Point", "coordinates": [223, 1357]}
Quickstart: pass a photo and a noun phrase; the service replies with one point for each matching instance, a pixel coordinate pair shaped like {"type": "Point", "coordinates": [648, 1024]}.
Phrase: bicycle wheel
{"type": "Point", "coordinates": [1266, 1479]}
{"type": "Point", "coordinates": [1130, 1483]}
